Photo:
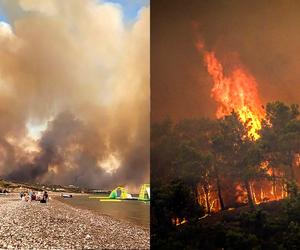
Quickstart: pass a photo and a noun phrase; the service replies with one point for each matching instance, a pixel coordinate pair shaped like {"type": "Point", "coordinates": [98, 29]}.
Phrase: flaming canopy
{"type": "Point", "coordinates": [237, 92]}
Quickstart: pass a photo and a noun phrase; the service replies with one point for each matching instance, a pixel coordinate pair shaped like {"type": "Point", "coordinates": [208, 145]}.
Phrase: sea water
{"type": "Point", "coordinates": [137, 212]}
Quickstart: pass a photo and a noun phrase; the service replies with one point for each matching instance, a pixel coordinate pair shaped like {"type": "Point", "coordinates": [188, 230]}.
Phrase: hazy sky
{"type": "Point", "coordinates": [261, 35]}
{"type": "Point", "coordinates": [130, 8]}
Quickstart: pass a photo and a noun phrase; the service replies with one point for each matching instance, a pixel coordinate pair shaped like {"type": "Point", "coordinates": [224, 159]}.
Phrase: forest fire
{"type": "Point", "coordinates": [208, 199]}
{"type": "Point", "coordinates": [235, 92]}
{"type": "Point", "coordinates": [235, 89]}
{"type": "Point", "coordinates": [261, 192]}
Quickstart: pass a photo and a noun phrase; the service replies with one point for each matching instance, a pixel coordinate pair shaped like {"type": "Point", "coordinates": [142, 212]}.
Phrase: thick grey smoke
{"type": "Point", "coordinates": [74, 99]}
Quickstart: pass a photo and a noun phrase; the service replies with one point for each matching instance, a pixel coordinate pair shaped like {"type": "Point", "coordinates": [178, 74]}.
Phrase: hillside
{"type": "Point", "coordinates": [272, 225]}
{"type": "Point", "coordinates": [18, 186]}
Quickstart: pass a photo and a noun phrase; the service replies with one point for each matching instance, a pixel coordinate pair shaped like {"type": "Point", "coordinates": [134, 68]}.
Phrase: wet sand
{"type": "Point", "coordinates": [56, 225]}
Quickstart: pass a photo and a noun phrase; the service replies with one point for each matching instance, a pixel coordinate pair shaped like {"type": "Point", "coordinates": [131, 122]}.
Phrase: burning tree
{"type": "Point", "coordinates": [281, 141]}
{"type": "Point", "coordinates": [247, 149]}
{"type": "Point", "coordinates": [239, 154]}
{"type": "Point", "coordinates": [210, 155]}
{"type": "Point", "coordinates": [236, 91]}
{"type": "Point", "coordinates": [197, 159]}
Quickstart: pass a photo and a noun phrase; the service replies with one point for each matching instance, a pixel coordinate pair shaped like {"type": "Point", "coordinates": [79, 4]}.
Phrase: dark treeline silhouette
{"type": "Point", "coordinates": [207, 174]}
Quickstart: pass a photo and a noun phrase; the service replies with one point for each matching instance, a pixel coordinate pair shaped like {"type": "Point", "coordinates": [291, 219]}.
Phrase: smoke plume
{"type": "Point", "coordinates": [74, 99]}
{"type": "Point", "coordinates": [261, 35]}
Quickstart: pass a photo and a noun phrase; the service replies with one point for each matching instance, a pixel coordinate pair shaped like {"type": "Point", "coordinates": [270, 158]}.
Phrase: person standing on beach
{"type": "Point", "coordinates": [30, 196]}
{"type": "Point", "coordinates": [45, 196]}
{"type": "Point", "coordinates": [33, 196]}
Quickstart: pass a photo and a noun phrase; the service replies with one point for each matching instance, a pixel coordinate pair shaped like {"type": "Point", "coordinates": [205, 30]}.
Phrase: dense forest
{"type": "Point", "coordinates": [215, 186]}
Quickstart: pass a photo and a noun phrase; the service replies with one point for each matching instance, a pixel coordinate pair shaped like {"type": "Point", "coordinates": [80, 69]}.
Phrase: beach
{"type": "Point", "coordinates": [56, 225]}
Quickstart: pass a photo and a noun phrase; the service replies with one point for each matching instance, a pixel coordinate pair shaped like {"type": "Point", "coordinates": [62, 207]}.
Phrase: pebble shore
{"type": "Point", "coordinates": [55, 225]}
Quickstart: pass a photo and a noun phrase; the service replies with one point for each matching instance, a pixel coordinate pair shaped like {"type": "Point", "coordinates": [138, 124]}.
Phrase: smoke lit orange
{"type": "Point", "coordinates": [237, 92]}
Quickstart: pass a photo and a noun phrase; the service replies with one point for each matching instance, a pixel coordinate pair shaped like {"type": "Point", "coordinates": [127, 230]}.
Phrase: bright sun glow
{"type": "Point", "coordinates": [111, 164]}
{"type": "Point", "coordinates": [35, 130]}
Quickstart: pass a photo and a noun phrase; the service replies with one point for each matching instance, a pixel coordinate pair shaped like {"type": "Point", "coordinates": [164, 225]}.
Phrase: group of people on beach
{"type": "Point", "coordinates": [30, 195]}
{"type": "Point", "coordinates": [4, 191]}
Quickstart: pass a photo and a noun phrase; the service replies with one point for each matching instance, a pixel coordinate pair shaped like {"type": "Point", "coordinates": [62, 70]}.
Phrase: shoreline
{"type": "Point", "coordinates": [57, 225]}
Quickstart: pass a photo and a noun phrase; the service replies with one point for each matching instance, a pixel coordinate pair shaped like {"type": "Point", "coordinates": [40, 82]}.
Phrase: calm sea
{"type": "Point", "coordinates": [137, 212]}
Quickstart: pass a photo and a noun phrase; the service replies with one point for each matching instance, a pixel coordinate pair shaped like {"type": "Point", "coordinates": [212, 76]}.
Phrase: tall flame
{"type": "Point", "coordinates": [237, 92]}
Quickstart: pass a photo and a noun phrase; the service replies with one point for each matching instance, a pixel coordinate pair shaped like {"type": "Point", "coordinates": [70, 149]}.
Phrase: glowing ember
{"type": "Point", "coordinates": [176, 221]}
{"type": "Point", "coordinates": [235, 92]}
{"type": "Point", "coordinates": [207, 198]}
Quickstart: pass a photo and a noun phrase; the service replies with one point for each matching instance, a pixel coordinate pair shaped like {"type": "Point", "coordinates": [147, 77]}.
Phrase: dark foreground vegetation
{"type": "Point", "coordinates": [196, 166]}
{"type": "Point", "coordinates": [272, 225]}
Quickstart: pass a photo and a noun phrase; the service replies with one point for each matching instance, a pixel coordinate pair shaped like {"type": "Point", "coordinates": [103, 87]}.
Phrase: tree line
{"type": "Point", "coordinates": [211, 157]}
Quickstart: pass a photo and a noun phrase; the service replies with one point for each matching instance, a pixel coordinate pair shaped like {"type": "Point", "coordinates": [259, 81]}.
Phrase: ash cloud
{"type": "Point", "coordinates": [78, 69]}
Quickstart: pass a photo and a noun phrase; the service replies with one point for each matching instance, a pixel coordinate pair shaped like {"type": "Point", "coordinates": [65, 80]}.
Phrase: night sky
{"type": "Point", "coordinates": [263, 36]}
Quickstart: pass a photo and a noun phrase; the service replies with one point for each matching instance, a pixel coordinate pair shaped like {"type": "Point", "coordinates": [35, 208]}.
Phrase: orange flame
{"type": "Point", "coordinates": [235, 92]}
{"type": "Point", "coordinates": [176, 221]}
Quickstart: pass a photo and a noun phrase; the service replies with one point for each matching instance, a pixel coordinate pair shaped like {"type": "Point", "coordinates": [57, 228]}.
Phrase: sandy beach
{"type": "Point", "coordinates": [56, 225]}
